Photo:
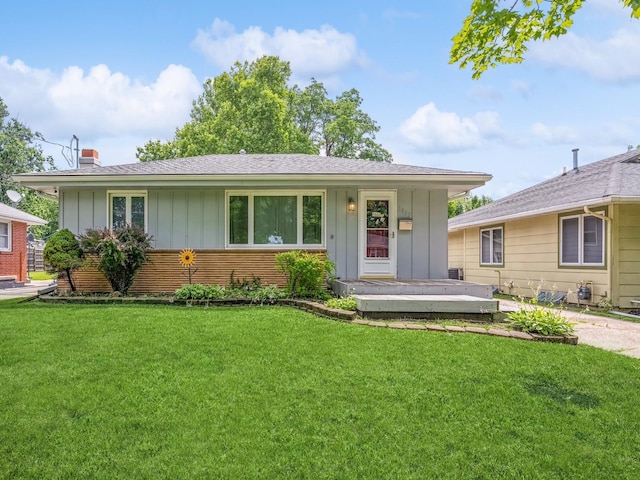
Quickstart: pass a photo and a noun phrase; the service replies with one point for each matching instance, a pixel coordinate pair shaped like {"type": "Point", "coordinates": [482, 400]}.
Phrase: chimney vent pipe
{"type": "Point", "coordinates": [575, 160]}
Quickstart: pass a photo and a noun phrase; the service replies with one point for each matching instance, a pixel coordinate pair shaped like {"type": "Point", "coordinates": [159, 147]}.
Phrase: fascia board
{"type": "Point", "coordinates": [244, 180]}
{"type": "Point", "coordinates": [534, 213]}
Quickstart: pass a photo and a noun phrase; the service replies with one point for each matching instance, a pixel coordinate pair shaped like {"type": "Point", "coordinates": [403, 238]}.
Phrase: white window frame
{"type": "Point", "coordinates": [8, 248]}
{"type": "Point", "coordinates": [300, 194]}
{"type": "Point", "coordinates": [491, 230]}
{"type": "Point", "coordinates": [581, 243]}
{"type": "Point", "coordinates": [127, 194]}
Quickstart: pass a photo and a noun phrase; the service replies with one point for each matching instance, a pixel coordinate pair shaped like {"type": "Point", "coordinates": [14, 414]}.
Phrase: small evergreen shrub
{"type": "Point", "coordinates": [63, 254]}
{"type": "Point", "coordinates": [307, 273]}
{"type": "Point", "coordinates": [343, 303]}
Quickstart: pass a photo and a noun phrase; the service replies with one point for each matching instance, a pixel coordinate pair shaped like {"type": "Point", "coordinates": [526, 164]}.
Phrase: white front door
{"type": "Point", "coordinates": [377, 234]}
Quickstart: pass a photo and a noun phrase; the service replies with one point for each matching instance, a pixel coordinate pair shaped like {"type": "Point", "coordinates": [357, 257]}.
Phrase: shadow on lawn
{"type": "Point", "coordinates": [545, 386]}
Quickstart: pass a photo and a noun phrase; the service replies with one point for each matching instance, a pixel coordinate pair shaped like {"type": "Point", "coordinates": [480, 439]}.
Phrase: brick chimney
{"type": "Point", "coordinates": [89, 158]}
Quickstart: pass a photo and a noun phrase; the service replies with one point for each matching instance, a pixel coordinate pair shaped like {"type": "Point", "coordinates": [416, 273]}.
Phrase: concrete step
{"type": "Point", "coordinates": [416, 305]}
{"type": "Point", "coordinates": [412, 287]}
{"type": "Point", "coordinates": [9, 281]}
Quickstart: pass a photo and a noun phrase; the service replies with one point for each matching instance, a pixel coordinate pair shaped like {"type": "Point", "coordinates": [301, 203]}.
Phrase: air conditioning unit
{"type": "Point", "coordinates": [455, 274]}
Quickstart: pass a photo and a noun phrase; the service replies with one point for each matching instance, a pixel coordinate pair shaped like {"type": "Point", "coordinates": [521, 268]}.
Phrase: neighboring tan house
{"type": "Point", "coordinates": [13, 244]}
{"type": "Point", "coordinates": [580, 229]}
{"type": "Point", "coordinates": [238, 211]}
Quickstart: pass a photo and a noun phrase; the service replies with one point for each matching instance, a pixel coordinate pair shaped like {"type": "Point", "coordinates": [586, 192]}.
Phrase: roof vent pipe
{"type": "Point", "coordinates": [575, 160]}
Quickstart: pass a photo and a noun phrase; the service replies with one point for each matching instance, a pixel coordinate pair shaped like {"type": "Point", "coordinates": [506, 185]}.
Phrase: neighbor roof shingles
{"type": "Point", "coordinates": [614, 176]}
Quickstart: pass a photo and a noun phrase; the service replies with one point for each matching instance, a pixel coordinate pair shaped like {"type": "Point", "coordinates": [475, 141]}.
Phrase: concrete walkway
{"type": "Point", "coordinates": [607, 333]}
{"type": "Point", "coordinates": [30, 289]}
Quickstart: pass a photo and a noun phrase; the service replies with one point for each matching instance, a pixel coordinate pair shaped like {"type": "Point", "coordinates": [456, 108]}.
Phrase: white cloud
{"type": "Point", "coordinates": [558, 134]}
{"type": "Point", "coordinates": [312, 53]}
{"type": "Point", "coordinates": [430, 130]}
{"type": "Point", "coordinates": [98, 104]}
{"type": "Point", "coordinates": [616, 59]}
{"type": "Point", "coordinates": [115, 105]}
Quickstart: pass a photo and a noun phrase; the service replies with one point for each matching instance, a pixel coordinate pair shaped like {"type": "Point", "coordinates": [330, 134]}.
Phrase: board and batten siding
{"type": "Point", "coordinates": [531, 262]}
{"type": "Point", "coordinates": [626, 264]}
{"type": "Point", "coordinates": [195, 218]}
{"type": "Point", "coordinates": [421, 251]}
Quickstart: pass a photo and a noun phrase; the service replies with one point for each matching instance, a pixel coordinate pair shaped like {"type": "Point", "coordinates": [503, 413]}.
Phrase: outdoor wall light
{"type": "Point", "coordinates": [351, 206]}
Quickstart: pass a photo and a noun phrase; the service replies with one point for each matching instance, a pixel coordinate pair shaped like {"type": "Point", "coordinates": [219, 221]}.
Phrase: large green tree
{"type": "Point", "coordinates": [21, 152]}
{"type": "Point", "coordinates": [466, 204]}
{"type": "Point", "coordinates": [252, 108]}
{"type": "Point", "coordinates": [498, 31]}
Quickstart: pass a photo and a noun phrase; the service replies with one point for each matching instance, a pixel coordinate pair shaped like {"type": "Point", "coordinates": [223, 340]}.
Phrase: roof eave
{"type": "Point", "coordinates": [544, 211]}
{"type": "Point", "coordinates": [49, 183]}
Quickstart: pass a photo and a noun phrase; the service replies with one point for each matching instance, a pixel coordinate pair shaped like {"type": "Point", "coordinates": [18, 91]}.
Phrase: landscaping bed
{"type": "Point", "coordinates": [319, 309]}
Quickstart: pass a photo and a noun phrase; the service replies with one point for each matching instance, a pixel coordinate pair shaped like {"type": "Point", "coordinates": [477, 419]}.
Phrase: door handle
{"type": "Point", "coordinates": [393, 234]}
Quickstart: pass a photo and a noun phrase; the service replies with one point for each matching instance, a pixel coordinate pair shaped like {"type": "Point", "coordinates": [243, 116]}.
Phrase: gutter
{"type": "Point", "coordinates": [97, 179]}
{"type": "Point", "coordinates": [581, 205]}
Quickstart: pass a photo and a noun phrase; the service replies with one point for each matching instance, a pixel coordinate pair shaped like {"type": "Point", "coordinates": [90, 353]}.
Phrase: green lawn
{"type": "Point", "coordinates": [42, 275]}
{"type": "Point", "coordinates": [271, 392]}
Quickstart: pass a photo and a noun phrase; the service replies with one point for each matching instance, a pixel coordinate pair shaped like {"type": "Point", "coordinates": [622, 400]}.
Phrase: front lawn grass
{"type": "Point", "coordinates": [42, 275]}
{"type": "Point", "coordinates": [271, 392]}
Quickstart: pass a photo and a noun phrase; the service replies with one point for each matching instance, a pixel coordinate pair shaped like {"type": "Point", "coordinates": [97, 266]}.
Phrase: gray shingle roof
{"type": "Point", "coordinates": [256, 164]}
{"type": "Point", "coordinates": [13, 214]}
{"type": "Point", "coordinates": [617, 176]}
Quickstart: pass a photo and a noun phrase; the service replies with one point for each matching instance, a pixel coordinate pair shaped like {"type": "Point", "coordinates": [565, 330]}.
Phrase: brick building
{"type": "Point", "coordinates": [13, 243]}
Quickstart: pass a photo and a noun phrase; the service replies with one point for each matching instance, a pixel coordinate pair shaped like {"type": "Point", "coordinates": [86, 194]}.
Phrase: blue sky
{"type": "Point", "coordinates": [119, 73]}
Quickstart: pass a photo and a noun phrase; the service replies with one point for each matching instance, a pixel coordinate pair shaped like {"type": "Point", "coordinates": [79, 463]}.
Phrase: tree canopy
{"type": "Point", "coordinates": [252, 108]}
{"type": "Point", "coordinates": [20, 152]}
{"type": "Point", "coordinates": [466, 204]}
{"type": "Point", "coordinates": [493, 34]}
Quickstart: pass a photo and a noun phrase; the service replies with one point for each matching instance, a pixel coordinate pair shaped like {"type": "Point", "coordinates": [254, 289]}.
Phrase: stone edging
{"type": "Point", "coordinates": [570, 340]}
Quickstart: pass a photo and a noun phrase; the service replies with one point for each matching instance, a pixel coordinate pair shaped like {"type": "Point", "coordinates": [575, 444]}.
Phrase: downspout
{"type": "Point", "coordinates": [597, 215]}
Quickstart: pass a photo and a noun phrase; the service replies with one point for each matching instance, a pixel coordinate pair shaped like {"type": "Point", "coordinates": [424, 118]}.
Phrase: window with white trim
{"type": "Point", "coordinates": [275, 218]}
{"type": "Point", "coordinates": [582, 240]}
{"type": "Point", "coordinates": [5, 236]}
{"type": "Point", "coordinates": [491, 246]}
{"type": "Point", "coordinates": [127, 208]}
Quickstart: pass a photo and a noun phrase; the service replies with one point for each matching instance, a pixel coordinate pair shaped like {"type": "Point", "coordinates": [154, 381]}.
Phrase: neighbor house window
{"type": "Point", "coordinates": [275, 218]}
{"type": "Point", "coordinates": [5, 236]}
{"type": "Point", "coordinates": [127, 208]}
{"type": "Point", "coordinates": [491, 246]}
{"type": "Point", "coordinates": [582, 240]}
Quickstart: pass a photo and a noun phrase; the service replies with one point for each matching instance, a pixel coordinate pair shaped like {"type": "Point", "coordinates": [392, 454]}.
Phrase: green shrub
{"type": "Point", "coordinates": [533, 319]}
{"type": "Point", "coordinates": [343, 303]}
{"type": "Point", "coordinates": [63, 254]}
{"type": "Point", "coordinates": [119, 252]}
{"type": "Point", "coordinates": [266, 294]}
{"type": "Point", "coordinates": [605, 304]}
{"type": "Point", "coordinates": [307, 273]}
{"type": "Point", "coordinates": [198, 291]}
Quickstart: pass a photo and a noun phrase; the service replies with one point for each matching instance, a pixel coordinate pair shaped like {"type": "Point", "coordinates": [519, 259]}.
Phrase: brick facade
{"type": "Point", "coordinates": [15, 262]}
{"type": "Point", "coordinates": [165, 274]}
